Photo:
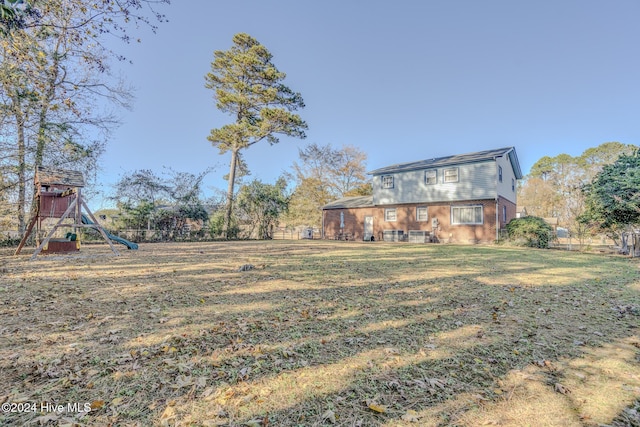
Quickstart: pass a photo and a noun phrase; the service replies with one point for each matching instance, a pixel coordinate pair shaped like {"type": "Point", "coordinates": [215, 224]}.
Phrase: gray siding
{"type": "Point", "coordinates": [504, 187]}
{"type": "Point", "coordinates": [476, 181]}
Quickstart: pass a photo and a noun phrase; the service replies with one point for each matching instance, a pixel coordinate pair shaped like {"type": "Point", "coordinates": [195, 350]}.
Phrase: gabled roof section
{"type": "Point", "coordinates": [350, 202]}
{"type": "Point", "coordinates": [49, 176]}
{"type": "Point", "coordinates": [479, 156]}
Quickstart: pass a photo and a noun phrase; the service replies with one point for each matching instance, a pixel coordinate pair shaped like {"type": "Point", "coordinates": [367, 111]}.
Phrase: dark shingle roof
{"type": "Point", "coordinates": [478, 156]}
{"type": "Point", "coordinates": [48, 176]}
{"type": "Point", "coordinates": [350, 202]}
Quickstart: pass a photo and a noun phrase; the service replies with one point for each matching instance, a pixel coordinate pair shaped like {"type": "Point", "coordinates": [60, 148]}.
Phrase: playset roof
{"type": "Point", "coordinates": [49, 176]}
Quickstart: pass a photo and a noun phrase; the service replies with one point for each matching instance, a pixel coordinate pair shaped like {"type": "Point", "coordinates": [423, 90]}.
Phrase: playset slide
{"type": "Point", "coordinates": [128, 244]}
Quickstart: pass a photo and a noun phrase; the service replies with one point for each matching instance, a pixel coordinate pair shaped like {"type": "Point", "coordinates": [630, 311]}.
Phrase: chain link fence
{"type": "Point", "coordinates": [11, 238]}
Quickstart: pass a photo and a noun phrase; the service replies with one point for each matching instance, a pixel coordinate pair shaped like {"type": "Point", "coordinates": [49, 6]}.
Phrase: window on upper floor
{"type": "Point", "coordinates": [513, 185]}
{"type": "Point", "coordinates": [500, 173]}
{"type": "Point", "coordinates": [451, 175]}
{"type": "Point", "coordinates": [390, 214]}
{"type": "Point", "coordinates": [431, 177]}
{"type": "Point", "coordinates": [461, 215]}
{"type": "Point", "coordinates": [422, 213]}
{"type": "Point", "coordinates": [387, 181]}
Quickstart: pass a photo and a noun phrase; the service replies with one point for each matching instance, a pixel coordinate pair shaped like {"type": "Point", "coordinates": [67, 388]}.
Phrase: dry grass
{"type": "Point", "coordinates": [321, 333]}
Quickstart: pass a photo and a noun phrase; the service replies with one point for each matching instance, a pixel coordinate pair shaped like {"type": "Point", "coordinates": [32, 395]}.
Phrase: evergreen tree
{"type": "Point", "coordinates": [249, 87]}
{"type": "Point", "coordinates": [613, 197]}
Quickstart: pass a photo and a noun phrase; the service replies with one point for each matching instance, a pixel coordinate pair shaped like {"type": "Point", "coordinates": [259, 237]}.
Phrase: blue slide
{"type": "Point", "coordinates": [128, 244]}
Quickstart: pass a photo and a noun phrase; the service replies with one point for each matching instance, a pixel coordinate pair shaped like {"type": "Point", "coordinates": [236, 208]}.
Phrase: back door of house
{"type": "Point", "coordinates": [368, 227]}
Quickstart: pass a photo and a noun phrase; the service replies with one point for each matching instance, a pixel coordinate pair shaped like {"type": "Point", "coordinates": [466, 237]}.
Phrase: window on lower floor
{"type": "Point", "coordinates": [422, 214]}
{"type": "Point", "coordinates": [390, 214]}
{"type": "Point", "coordinates": [504, 214]}
{"type": "Point", "coordinates": [467, 215]}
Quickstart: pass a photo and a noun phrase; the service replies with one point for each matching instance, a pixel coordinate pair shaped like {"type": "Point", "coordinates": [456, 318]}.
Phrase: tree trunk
{"type": "Point", "coordinates": [53, 81]}
{"type": "Point", "coordinates": [22, 168]}
{"type": "Point", "coordinates": [232, 178]}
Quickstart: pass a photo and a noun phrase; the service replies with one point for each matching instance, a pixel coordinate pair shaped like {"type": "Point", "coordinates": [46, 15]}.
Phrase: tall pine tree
{"type": "Point", "coordinates": [249, 87]}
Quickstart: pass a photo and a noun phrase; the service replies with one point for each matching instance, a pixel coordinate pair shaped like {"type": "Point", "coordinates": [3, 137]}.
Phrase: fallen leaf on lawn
{"type": "Point", "coordinates": [411, 416]}
{"type": "Point", "coordinates": [286, 353]}
{"type": "Point", "coordinates": [381, 409]}
{"type": "Point", "coordinates": [208, 393]}
{"type": "Point", "coordinates": [431, 384]}
{"type": "Point", "coordinates": [330, 416]}
{"type": "Point", "coordinates": [256, 422]}
{"type": "Point", "coordinates": [435, 382]}
{"type": "Point", "coordinates": [561, 389]}
{"type": "Point", "coordinates": [117, 401]}
{"type": "Point", "coordinates": [97, 404]}
{"type": "Point", "coordinates": [169, 412]}
{"type": "Point", "coordinates": [182, 381]}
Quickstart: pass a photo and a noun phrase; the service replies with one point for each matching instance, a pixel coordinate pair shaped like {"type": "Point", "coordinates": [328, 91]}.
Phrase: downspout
{"type": "Point", "coordinates": [495, 159]}
{"type": "Point", "coordinates": [497, 220]}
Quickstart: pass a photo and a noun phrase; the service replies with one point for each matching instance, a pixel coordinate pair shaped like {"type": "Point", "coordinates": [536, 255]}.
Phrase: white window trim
{"type": "Point", "coordinates": [418, 215]}
{"type": "Point", "coordinates": [385, 180]}
{"type": "Point", "coordinates": [444, 175]}
{"type": "Point", "coordinates": [435, 171]}
{"type": "Point", "coordinates": [387, 212]}
{"type": "Point", "coordinates": [467, 207]}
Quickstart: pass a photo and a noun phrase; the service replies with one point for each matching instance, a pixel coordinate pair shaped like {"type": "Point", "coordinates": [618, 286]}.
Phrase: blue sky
{"type": "Point", "coordinates": [402, 81]}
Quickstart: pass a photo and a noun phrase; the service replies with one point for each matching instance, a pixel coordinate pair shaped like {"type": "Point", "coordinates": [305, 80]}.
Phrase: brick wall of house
{"type": "Point", "coordinates": [353, 222]}
{"type": "Point", "coordinates": [511, 211]}
{"type": "Point", "coordinates": [406, 220]}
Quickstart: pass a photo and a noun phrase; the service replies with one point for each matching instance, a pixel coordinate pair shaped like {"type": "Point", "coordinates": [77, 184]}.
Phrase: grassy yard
{"type": "Point", "coordinates": [320, 333]}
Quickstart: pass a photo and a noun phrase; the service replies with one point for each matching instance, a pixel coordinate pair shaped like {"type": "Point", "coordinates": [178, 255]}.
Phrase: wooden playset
{"type": "Point", "coordinates": [59, 196]}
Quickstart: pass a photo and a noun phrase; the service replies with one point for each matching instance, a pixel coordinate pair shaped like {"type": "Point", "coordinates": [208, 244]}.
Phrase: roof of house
{"type": "Point", "coordinates": [49, 176]}
{"type": "Point", "coordinates": [479, 156]}
{"type": "Point", "coordinates": [350, 202]}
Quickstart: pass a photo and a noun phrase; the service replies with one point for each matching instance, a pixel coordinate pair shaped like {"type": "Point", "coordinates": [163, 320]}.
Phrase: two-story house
{"type": "Point", "coordinates": [464, 198]}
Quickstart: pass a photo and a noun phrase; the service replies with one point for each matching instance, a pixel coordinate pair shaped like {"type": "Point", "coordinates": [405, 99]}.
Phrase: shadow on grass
{"type": "Point", "coordinates": [316, 334]}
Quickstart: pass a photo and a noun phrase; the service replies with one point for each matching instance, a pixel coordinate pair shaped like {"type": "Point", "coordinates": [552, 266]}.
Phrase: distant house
{"type": "Point", "coordinates": [464, 198]}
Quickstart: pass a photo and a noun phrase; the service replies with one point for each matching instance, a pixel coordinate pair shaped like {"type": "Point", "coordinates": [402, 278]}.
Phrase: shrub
{"type": "Point", "coordinates": [216, 226]}
{"type": "Point", "coordinates": [529, 231]}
